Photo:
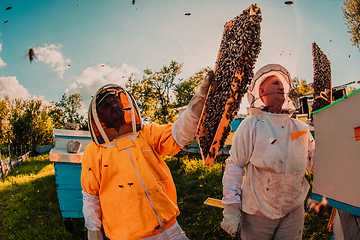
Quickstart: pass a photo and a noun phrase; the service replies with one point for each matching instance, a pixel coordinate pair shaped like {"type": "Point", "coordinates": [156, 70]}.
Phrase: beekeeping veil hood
{"type": "Point", "coordinates": [256, 104]}
{"type": "Point", "coordinates": [133, 123]}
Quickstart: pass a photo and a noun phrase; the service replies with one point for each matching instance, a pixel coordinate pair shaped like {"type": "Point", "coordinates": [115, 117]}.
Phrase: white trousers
{"type": "Point", "coordinates": [289, 227]}
{"type": "Point", "coordinates": [172, 233]}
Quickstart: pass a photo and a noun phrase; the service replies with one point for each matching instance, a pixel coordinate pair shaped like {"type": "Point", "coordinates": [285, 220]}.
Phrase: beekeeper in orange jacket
{"type": "Point", "coordinates": [127, 187]}
{"type": "Point", "coordinates": [273, 151]}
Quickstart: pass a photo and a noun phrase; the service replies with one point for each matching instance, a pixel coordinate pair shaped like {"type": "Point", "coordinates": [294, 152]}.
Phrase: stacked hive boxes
{"type": "Point", "coordinates": [68, 171]}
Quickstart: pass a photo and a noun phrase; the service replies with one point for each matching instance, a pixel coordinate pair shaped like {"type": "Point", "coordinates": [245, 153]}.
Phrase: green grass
{"type": "Point", "coordinates": [30, 210]}
{"type": "Point", "coordinates": [29, 204]}
{"type": "Point", "coordinates": [201, 221]}
{"type": "Point", "coordinates": [195, 183]}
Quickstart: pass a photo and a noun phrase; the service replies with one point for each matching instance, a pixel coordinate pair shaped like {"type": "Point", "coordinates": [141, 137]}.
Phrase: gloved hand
{"type": "Point", "coordinates": [197, 102]}
{"type": "Point", "coordinates": [232, 220]}
{"type": "Point", "coordinates": [94, 235]}
{"type": "Point", "coordinates": [185, 126]}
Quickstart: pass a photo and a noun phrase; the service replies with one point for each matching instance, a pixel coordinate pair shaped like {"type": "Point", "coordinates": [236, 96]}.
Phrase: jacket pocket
{"type": "Point", "coordinates": [299, 146]}
{"type": "Point", "coordinates": [156, 166]}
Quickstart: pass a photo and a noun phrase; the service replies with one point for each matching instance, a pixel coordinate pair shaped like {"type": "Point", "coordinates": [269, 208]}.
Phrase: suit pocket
{"type": "Point", "coordinates": [155, 165]}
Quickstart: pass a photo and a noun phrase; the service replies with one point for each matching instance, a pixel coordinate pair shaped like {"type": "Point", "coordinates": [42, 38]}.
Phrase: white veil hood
{"type": "Point", "coordinates": [132, 118]}
{"type": "Point", "coordinates": [253, 96]}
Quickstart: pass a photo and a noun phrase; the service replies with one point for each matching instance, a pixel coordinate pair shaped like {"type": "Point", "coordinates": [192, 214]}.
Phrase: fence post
{"type": "Point", "coordinates": [9, 157]}
{"type": "Point", "coordinates": [1, 171]}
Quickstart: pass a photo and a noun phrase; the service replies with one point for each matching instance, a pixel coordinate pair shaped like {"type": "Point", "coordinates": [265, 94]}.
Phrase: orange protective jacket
{"type": "Point", "coordinates": [124, 170]}
{"type": "Point", "coordinates": [137, 193]}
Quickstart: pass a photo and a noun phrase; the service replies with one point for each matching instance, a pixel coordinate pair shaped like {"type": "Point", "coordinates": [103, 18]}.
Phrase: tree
{"type": "Point", "coordinates": [186, 89]}
{"type": "Point", "coordinates": [66, 111]}
{"type": "Point", "coordinates": [30, 123]}
{"type": "Point", "coordinates": [351, 14]}
{"type": "Point", "coordinates": [154, 93]}
{"type": "Point", "coordinates": [4, 116]}
{"type": "Point", "coordinates": [301, 87]}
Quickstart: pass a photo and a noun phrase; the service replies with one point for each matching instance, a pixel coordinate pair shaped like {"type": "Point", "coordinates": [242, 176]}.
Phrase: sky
{"type": "Point", "coordinates": [81, 45]}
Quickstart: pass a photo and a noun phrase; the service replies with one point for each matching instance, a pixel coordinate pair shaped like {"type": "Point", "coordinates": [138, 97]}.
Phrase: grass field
{"type": "Point", "coordinates": [29, 206]}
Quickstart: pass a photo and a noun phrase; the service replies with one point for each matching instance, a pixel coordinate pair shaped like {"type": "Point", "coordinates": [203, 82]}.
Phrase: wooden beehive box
{"type": "Point", "coordinates": [337, 151]}
{"type": "Point", "coordinates": [68, 171]}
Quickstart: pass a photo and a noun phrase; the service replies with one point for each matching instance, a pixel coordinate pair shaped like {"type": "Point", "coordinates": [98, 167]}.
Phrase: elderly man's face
{"type": "Point", "coordinates": [272, 91]}
{"type": "Point", "coordinates": [111, 112]}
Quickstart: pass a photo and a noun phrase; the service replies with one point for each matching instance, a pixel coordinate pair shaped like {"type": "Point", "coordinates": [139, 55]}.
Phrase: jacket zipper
{"type": "Point", "coordinates": [147, 195]}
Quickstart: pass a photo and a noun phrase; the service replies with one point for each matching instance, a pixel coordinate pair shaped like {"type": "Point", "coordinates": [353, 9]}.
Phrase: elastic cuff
{"type": "Point", "coordinates": [91, 211]}
{"type": "Point", "coordinates": [184, 128]}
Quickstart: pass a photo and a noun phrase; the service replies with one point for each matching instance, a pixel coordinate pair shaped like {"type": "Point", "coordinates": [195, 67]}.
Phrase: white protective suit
{"type": "Point", "coordinates": [275, 150]}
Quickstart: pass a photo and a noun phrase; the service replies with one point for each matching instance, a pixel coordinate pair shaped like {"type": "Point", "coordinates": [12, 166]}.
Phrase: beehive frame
{"type": "Point", "coordinates": [322, 78]}
{"type": "Point", "coordinates": [239, 49]}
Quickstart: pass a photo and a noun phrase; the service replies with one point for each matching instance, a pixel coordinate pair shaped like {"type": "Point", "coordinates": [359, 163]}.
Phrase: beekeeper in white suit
{"type": "Point", "coordinates": [273, 151]}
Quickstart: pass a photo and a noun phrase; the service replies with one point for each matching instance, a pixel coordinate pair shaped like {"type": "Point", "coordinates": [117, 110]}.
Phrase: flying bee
{"type": "Point", "coordinates": [31, 54]}
{"type": "Point", "coordinates": [272, 141]}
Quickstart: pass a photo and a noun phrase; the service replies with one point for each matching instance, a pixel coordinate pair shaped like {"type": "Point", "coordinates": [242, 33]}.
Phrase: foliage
{"type": "Point", "coordinates": [157, 94]}
{"type": "Point", "coordinates": [184, 90]}
{"type": "Point", "coordinates": [351, 14]}
{"type": "Point", "coordinates": [153, 93]}
{"type": "Point", "coordinates": [4, 117]}
{"type": "Point", "coordinates": [25, 124]}
{"type": "Point", "coordinates": [30, 123]}
{"type": "Point", "coordinates": [66, 111]}
{"type": "Point", "coordinates": [301, 87]}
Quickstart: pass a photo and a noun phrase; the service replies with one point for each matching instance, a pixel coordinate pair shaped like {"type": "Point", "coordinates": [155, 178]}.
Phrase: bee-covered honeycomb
{"type": "Point", "coordinates": [322, 78]}
{"type": "Point", "coordinates": [239, 49]}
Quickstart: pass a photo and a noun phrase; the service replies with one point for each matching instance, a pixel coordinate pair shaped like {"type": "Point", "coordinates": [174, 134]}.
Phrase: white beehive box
{"type": "Point", "coordinates": [337, 150]}
{"type": "Point", "coordinates": [62, 137]}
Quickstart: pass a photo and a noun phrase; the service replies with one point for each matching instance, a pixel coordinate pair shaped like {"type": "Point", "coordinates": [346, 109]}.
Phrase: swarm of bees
{"type": "Point", "coordinates": [322, 78]}
{"type": "Point", "coordinates": [239, 49]}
